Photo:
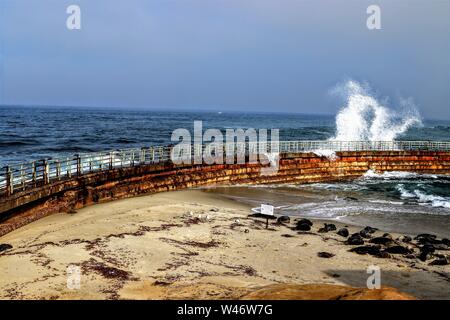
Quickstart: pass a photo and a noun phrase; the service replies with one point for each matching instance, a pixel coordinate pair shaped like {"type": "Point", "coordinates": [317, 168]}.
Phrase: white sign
{"type": "Point", "coordinates": [267, 209]}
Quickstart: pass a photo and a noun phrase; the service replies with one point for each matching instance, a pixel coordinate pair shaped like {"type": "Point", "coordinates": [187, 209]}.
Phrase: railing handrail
{"type": "Point", "coordinates": [20, 176]}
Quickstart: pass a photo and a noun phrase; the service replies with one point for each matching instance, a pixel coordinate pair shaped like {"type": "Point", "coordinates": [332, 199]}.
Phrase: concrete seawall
{"type": "Point", "coordinates": [74, 193]}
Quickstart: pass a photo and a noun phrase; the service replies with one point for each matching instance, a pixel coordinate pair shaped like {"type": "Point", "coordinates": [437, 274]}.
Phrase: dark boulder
{"type": "Point", "coordinates": [440, 246]}
{"type": "Point", "coordinates": [428, 248]}
{"type": "Point", "coordinates": [397, 250]}
{"type": "Point", "coordinates": [327, 227]}
{"type": "Point", "coordinates": [381, 240]}
{"type": "Point", "coordinates": [383, 254]}
{"type": "Point", "coordinates": [372, 250]}
{"type": "Point", "coordinates": [303, 225]}
{"type": "Point", "coordinates": [405, 239]}
{"type": "Point", "coordinates": [350, 199]}
{"type": "Point", "coordinates": [446, 242]}
{"type": "Point", "coordinates": [426, 238]}
{"type": "Point", "coordinates": [5, 246]}
{"type": "Point", "coordinates": [370, 230]}
{"type": "Point", "coordinates": [325, 255]}
{"type": "Point", "coordinates": [355, 239]}
{"type": "Point", "coordinates": [343, 232]}
{"type": "Point", "coordinates": [283, 219]}
{"type": "Point", "coordinates": [365, 234]}
{"type": "Point", "coordinates": [424, 256]}
{"type": "Point", "coordinates": [426, 252]}
{"type": "Point", "coordinates": [307, 221]}
{"type": "Point", "coordinates": [441, 261]}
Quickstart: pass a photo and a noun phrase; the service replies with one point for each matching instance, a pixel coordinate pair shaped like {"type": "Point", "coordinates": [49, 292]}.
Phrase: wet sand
{"type": "Point", "coordinates": [189, 245]}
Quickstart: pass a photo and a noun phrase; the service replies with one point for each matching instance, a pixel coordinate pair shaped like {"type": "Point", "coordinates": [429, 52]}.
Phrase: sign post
{"type": "Point", "coordinates": [267, 212]}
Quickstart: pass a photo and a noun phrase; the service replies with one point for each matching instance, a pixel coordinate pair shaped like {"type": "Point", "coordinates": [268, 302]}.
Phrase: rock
{"type": "Point", "coordinates": [324, 292]}
{"type": "Point", "coordinates": [372, 250]}
{"type": "Point", "coordinates": [350, 199]}
{"type": "Point", "coordinates": [440, 246]}
{"type": "Point", "coordinates": [283, 219]}
{"type": "Point", "coordinates": [441, 261]}
{"type": "Point", "coordinates": [397, 250]}
{"type": "Point", "coordinates": [383, 254]}
{"type": "Point", "coordinates": [327, 227]}
{"type": "Point", "coordinates": [246, 231]}
{"type": "Point", "coordinates": [71, 211]}
{"type": "Point", "coordinates": [214, 209]}
{"type": "Point", "coordinates": [307, 221]}
{"type": "Point", "coordinates": [424, 256]}
{"type": "Point", "coordinates": [355, 239]}
{"type": "Point", "coordinates": [343, 232]}
{"type": "Point", "coordinates": [5, 246]}
{"type": "Point", "coordinates": [381, 240]}
{"type": "Point", "coordinates": [304, 225]}
{"type": "Point", "coordinates": [426, 238]}
{"type": "Point", "coordinates": [370, 230]}
{"type": "Point", "coordinates": [365, 234]}
{"type": "Point", "coordinates": [325, 254]}
{"type": "Point", "coordinates": [426, 252]}
{"type": "Point", "coordinates": [410, 256]}
{"type": "Point", "coordinates": [406, 239]}
{"type": "Point", "coordinates": [428, 248]}
{"type": "Point", "coordinates": [387, 235]}
{"type": "Point", "coordinates": [446, 242]}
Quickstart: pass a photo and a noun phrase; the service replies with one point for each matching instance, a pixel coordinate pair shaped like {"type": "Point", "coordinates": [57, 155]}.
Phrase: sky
{"type": "Point", "coordinates": [245, 55]}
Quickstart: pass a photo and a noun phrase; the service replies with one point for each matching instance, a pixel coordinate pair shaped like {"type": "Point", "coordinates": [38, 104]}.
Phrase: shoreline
{"type": "Point", "coordinates": [193, 245]}
{"type": "Point", "coordinates": [412, 224]}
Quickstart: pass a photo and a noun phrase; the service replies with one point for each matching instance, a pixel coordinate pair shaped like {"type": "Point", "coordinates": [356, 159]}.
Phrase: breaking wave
{"type": "Point", "coordinates": [365, 118]}
{"type": "Point", "coordinates": [423, 198]}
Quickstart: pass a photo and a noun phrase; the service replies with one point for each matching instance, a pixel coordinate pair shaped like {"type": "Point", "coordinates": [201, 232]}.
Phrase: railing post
{"type": "Point", "coordinates": [78, 159]}
{"type": "Point", "coordinates": [142, 156]}
{"type": "Point", "coordinates": [45, 166]}
{"type": "Point", "coordinates": [69, 168]}
{"type": "Point", "coordinates": [9, 184]}
{"type": "Point", "coordinates": [22, 176]}
{"type": "Point", "coordinates": [58, 170]}
{"type": "Point", "coordinates": [33, 173]}
{"type": "Point", "coordinates": [110, 160]}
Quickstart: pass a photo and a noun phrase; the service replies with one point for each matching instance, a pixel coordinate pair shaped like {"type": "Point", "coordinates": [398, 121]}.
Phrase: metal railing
{"type": "Point", "coordinates": [23, 176]}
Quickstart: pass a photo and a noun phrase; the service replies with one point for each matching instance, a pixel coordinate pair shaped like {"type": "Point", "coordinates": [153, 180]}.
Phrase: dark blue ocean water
{"type": "Point", "coordinates": [408, 203]}
{"type": "Point", "coordinates": [31, 133]}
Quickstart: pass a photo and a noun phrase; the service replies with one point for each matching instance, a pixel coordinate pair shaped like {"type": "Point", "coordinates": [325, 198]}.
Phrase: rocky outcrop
{"type": "Point", "coordinates": [324, 292]}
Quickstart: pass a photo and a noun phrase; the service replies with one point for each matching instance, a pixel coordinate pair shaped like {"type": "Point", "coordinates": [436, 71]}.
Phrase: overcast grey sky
{"type": "Point", "coordinates": [266, 55]}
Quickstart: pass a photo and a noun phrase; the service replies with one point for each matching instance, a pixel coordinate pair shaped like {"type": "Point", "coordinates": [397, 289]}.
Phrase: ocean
{"type": "Point", "coordinates": [403, 202]}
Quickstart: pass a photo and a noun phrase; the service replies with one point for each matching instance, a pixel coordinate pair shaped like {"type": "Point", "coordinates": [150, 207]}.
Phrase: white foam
{"type": "Point", "coordinates": [403, 192]}
{"type": "Point", "coordinates": [424, 198]}
{"type": "Point", "coordinates": [435, 201]}
{"type": "Point", "coordinates": [396, 175]}
{"type": "Point", "coordinates": [330, 154]}
{"type": "Point", "coordinates": [365, 118]}
{"type": "Point", "coordinates": [386, 202]}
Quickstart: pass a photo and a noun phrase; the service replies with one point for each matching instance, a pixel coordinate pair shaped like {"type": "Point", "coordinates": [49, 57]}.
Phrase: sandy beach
{"type": "Point", "coordinates": [190, 245]}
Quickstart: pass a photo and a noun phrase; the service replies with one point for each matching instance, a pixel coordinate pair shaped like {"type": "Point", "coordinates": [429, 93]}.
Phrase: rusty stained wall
{"type": "Point", "coordinates": [63, 196]}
